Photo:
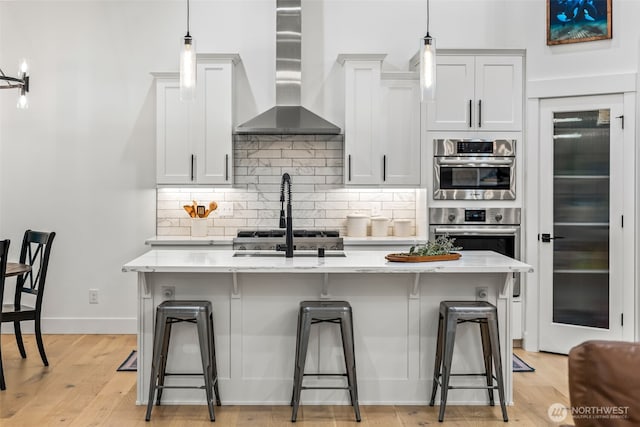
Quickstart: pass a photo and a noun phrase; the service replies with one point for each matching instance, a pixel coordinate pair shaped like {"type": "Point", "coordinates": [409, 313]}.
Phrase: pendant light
{"type": "Point", "coordinates": [428, 65]}
{"type": "Point", "coordinates": [21, 83]}
{"type": "Point", "coordinates": [188, 66]}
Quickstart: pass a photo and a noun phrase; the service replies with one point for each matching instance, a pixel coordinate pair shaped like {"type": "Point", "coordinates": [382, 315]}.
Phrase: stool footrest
{"type": "Point", "coordinates": [324, 388]}
{"type": "Point", "coordinates": [324, 375]}
{"type": "Point", "coordinates": [451, 387]}
{"type": "Point", "coordinates": [182, 374]}
{"type": "Point", "coordinates": [200, 387]}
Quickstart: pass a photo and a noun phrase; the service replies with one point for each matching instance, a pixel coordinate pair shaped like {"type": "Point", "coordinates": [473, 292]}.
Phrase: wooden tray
{"type": "Point", "coordinates": [417, 258]}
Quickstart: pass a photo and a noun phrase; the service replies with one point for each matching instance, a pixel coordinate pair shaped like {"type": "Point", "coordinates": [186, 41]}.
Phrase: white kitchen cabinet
{"type": "Point", "coordinates": [382, 124]}
{"type": "Point", "coordinates": [194, 139]}
{"type": "Point", "coordinates": [400, 129]}
{"type": "Point", "coordinates": [477, 92]}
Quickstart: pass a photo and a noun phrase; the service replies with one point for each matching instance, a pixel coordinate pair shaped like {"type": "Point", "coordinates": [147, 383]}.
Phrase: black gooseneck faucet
{"type": "Point", "coordinates": [288, 223]}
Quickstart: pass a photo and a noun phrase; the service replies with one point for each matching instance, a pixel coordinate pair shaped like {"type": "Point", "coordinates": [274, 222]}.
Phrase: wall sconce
{"type": "Point", "coordinates": [22, 83]}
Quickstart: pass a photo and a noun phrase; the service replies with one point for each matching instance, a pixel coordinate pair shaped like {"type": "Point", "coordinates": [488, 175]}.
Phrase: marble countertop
{"type": "Point", "coordinates": [224, 261]}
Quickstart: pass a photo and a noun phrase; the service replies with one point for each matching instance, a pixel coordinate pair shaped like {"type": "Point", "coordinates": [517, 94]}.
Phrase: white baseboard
{"type": "Point", "coordinates": [91, 325]}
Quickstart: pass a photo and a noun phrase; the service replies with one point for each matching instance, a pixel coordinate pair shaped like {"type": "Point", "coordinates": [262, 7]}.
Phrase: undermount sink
{"type": "Point", "coordinates": [306, 254]}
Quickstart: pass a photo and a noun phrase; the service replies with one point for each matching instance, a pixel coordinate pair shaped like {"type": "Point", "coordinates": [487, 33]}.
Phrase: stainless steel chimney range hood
{"type": "Point", "coordinates": [288, 117]}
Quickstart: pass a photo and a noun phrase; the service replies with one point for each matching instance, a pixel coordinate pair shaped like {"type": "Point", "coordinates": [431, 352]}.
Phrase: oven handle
{"type": "Point", "coordinates": [474, 162]}
{"type": "Point", "coordinates": [475, 230]}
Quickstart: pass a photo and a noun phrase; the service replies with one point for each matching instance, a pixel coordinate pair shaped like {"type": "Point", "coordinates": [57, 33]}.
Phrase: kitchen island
{"type": "Point", "coordinates": [255, 300]}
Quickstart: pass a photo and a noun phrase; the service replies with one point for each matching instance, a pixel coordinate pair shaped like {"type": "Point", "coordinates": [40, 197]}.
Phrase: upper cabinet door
{"type": "Point", "coordinates": [498, 92]}
{"type": "Point", "coordinates": [214, 124]}
{"type": "Point", "coordinates": [363, 164]}
{"type": "Point", "coordinates": [173, 146]}
{"type": "Point", "coordinates": [400, 132]}
{"type": "Point", "coordinates": [455, 82]}
{"type": "Point", "coordinates": [477, 93]}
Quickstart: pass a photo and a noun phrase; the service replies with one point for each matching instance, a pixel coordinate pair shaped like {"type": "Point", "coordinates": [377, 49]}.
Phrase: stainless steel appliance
{"type": "Point", "coordinates": [302, 240]}
{"type": "Point", "coordinates": [494, 229]}
{"type": "Point", "coordinates": [474, 169]}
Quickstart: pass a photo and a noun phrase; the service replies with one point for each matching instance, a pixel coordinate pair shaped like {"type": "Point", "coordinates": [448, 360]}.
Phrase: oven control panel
{"type": "Point", "coordinates": [487, 216]}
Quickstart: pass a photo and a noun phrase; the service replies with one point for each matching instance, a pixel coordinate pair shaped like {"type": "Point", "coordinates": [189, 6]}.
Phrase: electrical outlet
{"type": "Point", "coordinates": [225, 209]}
{"type": "Point", "coordinates": [482, 293]}
{"type": "Point", "coordinates": [93, 296]}
{"type": "Point", "coordinates": [168, 292]}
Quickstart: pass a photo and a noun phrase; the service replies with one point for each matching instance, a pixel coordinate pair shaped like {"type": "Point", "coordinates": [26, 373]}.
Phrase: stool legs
{"type": "Point", "coordinates": [301, 358]}
{"type": "Point", "coordinates": [214, 366]}
{"type": "Point", "coordinates": [449, 341]}
{"type": "Point", "coordinates": [438, 364]}
{"type": "Point", "coordinates": [194, 312]}
{"type": "Point", "coordinates": [158, 336]}
{"type": "Point", "coordinates": [497, 360]}
{"type": "Point", "coordinates": [312, 312]}
{"type": "Point", "coordinates": [205, 355]}
{"type": "Point", "coordinates": [487, 356]}
{"type": "Point", "coordinates": [447, 324]}
{"type": "Point", "coordinates": [346, 330]}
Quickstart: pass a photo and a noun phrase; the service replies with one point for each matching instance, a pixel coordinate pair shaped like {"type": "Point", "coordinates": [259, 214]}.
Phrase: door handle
{"type": "Point", "coordinates": [546, 237]}
{"type": "Point", "coordinates": [480, 113]}
{"type": "Point", "coordinates": [226, 167]}
{"type": "Point", "coordinates": [193, 159]}
{"type": "Point", "coordinates": [470, 106]}
{"type": "Point", "coordinates": [349, 166]}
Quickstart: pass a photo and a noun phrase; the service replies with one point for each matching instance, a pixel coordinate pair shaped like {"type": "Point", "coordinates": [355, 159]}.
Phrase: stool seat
{"type": "Point", "coordinates": [451, 313]}
{"type": "Point", "coordinates": [313, 312]}
{"type": "Point", "coordinates": [185, 308]}
{"type": "Point", "coordinates": [467, 309]}
{"type": "Point", "coordinates": [199, 313]}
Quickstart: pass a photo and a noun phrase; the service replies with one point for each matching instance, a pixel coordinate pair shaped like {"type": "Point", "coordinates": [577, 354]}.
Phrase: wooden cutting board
{"type": "Point", "coordinates": [417, 258]}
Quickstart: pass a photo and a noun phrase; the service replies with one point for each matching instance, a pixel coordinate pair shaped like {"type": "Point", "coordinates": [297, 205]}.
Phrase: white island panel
{"type": "Point", "coordinates": [256, 301]}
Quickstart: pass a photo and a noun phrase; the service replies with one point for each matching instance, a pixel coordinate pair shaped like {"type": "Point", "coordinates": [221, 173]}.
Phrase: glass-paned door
{"type": "Point", "coordinates": [580, 215]}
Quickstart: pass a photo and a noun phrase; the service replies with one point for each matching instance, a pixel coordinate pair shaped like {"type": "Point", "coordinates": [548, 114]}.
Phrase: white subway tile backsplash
{"type": "Point", "coordinates": [332, 205]}
{"type": "Point", "coordinates": [308, 162]}
{"type": "Point", "coordinates": [297, 154]}
{"type": "Point", "coordinates": [316, 165]}
{"type": "Point", "coordinates": [376, 197]}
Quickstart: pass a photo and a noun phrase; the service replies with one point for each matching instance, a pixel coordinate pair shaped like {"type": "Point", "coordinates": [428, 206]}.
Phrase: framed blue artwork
{"type": "Point", "coordinates": [574, 21]}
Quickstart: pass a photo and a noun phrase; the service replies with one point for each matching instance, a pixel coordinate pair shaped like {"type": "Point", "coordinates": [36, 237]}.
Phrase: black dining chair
{"type": "Point", "coordinates": [4, 249]}
{"type": "Point", "coordinates": [36, 248]}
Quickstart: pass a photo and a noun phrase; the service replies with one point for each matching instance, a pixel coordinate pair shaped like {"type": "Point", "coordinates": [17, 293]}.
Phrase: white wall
{"type": "Point", "coordinates": [81, 160]}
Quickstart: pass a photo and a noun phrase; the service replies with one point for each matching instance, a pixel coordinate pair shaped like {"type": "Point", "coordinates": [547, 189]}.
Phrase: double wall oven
{"type": "Point", "coordinates": [493, 229]}
{"type": "Point", "coordinates": [474, 169]}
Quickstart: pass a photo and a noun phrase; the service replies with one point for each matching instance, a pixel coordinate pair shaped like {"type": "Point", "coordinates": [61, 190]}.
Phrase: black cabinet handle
{"type": "Point", "coordinates": [470, 118]}
{"type": "Point", "coordinates": [193, 159]}
{"type": "Point", "coordinates": [384, 168]}
{"type": "Point", "coordinates": [226, 167]}
{"type": "Point", "coordinates": [349, 166]}
{"type": "Point", "coordinates": [480, 113]}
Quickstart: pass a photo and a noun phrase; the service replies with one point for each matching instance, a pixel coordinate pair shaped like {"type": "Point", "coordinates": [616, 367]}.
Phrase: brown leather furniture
{"type": "Point", "coordinates": [604, 384]}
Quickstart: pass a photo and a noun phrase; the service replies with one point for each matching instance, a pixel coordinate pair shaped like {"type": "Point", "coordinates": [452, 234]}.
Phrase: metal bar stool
{"type": "Point", "coordinates": [201, 314]}
{"type": "Point", "coordinates": [312, 312]}
{"type": "Point", "coordinates": [451, 314]}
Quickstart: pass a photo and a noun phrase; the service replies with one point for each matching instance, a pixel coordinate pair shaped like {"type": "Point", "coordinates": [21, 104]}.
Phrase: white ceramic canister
{"type": "Point", "coordinates": [357, 225]}
{"type": "Point", "coordinates": [402, 227]}
{"type": "Point", "coordinates": [379, 226]}
{"type": "Point", "coordinates": [198, 227]}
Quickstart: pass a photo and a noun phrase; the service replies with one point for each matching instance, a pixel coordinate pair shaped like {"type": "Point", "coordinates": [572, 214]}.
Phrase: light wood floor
{"type": "Point", "coordinates": [82, 388]}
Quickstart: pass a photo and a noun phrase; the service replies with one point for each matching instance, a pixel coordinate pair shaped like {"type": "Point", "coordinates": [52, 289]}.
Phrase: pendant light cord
{"type": "Point", "coordinates": [188, 19]}
{"type": "Point", "coordinates": [428, 14]}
